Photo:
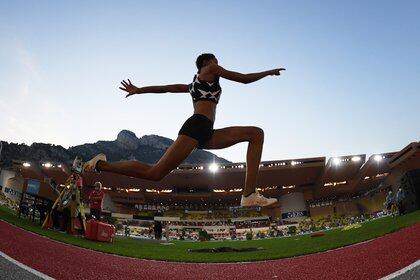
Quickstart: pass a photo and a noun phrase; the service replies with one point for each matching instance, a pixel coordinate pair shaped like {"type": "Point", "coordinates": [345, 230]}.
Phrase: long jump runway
{"type": "Point", "coordinates": [369, 260]}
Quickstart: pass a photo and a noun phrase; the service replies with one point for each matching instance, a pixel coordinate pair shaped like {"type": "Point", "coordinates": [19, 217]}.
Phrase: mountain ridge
{"type": "Point", "coordinates": [127, 146]}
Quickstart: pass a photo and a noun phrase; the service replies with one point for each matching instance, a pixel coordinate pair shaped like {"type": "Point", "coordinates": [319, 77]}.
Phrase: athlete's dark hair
{"type": "Point", "coordinates": [201, 58]}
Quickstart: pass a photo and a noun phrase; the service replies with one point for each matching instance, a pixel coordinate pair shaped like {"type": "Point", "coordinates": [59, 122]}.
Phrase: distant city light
{"type": "Point", "coordinates": [59, 166]}
{"type": "Point", "coordinates": [356, 159]}
{"type": "Point", "coordinates": [26, 164]}
{"type": "Point", "coordinates": [47, 165]}
{"type": "Point", "coordinates": [378, 158]}
{"type": "Point", "coordinates": [213, 167]}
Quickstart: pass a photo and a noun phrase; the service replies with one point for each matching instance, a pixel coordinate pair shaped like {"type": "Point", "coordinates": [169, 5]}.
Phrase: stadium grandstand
{"type": "Point", "coordinates": [208, 196]}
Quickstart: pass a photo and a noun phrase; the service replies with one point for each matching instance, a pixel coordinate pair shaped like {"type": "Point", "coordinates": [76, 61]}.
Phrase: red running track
{"type": "Point", "coordinates": [368, 260]}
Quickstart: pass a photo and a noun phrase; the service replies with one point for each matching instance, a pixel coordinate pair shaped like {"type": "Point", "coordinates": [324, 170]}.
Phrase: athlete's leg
{"type": "Point", "coordinates": [175, 155]}
{"type": "Point", "coordinates": [226, 137]}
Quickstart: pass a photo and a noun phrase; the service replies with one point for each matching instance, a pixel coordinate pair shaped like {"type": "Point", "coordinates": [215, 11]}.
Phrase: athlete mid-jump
{"type": "Point", "coordinates": [197, 131]}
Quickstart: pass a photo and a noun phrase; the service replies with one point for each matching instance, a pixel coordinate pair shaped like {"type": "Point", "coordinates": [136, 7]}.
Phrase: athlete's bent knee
{"type": "Point", "coordinates": [257, 134]}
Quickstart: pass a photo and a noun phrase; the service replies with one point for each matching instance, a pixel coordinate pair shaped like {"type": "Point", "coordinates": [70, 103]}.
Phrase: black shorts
{"type": "Point", "coordinates": [198, 127]}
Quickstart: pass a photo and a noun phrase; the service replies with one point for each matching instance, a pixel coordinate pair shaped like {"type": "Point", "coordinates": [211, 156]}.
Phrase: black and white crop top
{"type": "Point", "coordinates": [202, 90]}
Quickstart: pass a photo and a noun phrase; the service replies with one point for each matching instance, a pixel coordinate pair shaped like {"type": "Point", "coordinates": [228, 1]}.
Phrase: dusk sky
{"type": "Point", "coordinates": [351, 86]}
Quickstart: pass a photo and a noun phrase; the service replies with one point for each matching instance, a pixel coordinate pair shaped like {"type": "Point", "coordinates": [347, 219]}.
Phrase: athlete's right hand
{"type": "Point", "coordinates": [129, 87]}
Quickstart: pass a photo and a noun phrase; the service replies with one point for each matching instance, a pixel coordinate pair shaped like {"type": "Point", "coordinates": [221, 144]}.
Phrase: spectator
{"type": "Point", "coordinates": [96, 198]}
{"type": "Point", "coordinates": [127, 231]}
{"type": "Point", "coordinates": [167, 231]}
{"type": "Point", "coordinates": [158, 230]}
{"type": "Point", "coordinates": [389, 201]}
{"type": "Point", "coordinates": [150, 230]}
{"type": "Point", "coordinates": [399, 197]}
{"type": "Point", "coordinates": [61, 213]}
{"type": "Point", "coordinates": [158, 226]}
{"type": "Point", "coordinates": [42, 209]}
{"type": "Point", "coordinates": [24, 208]}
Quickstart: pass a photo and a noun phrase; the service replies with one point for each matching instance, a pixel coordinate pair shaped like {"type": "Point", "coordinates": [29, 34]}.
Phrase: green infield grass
{"type": "Point", "coordinates": [274, 248]}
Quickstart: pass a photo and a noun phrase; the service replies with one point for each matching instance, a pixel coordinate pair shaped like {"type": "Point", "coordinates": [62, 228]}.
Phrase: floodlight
{"type": "Point", "coordinates": [213, 167]}
{"type": "Point", "coordinates": [378, 158]}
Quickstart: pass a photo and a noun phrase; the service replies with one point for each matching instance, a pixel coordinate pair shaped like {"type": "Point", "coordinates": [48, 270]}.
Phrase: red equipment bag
{"type": "Point", "coordinates": [96, 230]}
{"type": "Point", "coordinates": [91, 229]}
{"type": "Point", "coordinates": [106, 232]}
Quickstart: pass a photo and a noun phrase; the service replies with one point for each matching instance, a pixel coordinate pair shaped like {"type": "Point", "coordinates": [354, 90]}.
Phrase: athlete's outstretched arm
{"type": "Point", "coordinates": [243, 78]}
{"type": "Point", "coordinates": [132, 89]}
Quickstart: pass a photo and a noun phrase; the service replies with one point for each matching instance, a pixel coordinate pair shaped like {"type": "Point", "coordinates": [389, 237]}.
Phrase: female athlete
{"type": "Point", "coordinates": [197, 131]}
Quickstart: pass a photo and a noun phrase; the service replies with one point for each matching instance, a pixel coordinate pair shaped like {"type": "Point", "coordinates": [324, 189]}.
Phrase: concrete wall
{"type": "Point", "coordinates": [108, 204]}
{"type": "Point", "coordinates": [318, 212]}
{"type": "Point", "coordinates": [11, 185]}
{"type": "Point", "coordinates": [293, 206]}
{"type": "Point", "coordinates": [13, 188]}
{"type": "Point", "coordinates": [371, 204]}
{"type": "Point", "coordinates": [4, 176]}
{"type": "Point", "coordinates": [365, 205]}
{"type": "Point", "coordinates": [346, 208]}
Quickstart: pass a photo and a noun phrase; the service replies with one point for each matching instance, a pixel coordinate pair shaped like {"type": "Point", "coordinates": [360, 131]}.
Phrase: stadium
{"type": "Point", "coordinates": [316, 196]}
{"type": "Point", "coordinates": [209, 140]}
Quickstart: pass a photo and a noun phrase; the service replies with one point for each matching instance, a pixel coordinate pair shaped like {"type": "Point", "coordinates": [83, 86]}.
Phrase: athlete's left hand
{"type": "Point", "coordinates": [276, 72]}
{"type": "Point", "coordinates": [129, 87]}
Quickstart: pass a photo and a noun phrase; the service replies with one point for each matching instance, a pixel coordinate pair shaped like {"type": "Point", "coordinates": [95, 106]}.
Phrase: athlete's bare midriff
{"type": "Point", "coordinates": [206, 108]}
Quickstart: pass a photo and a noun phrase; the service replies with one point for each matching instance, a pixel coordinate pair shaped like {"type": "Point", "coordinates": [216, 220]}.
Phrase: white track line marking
{"type": "Point", "coordinates": [401, 271]}
{"type": "Point", "coordinates": [27, 268]}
